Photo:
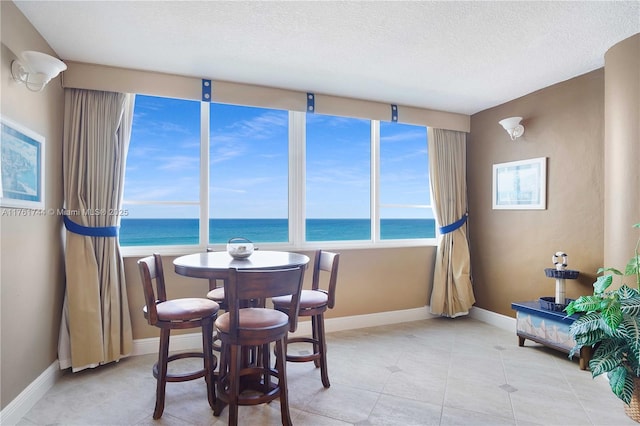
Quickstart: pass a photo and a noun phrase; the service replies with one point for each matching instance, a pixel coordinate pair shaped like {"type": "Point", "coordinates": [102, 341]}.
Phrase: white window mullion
{"type": "Point", "coordinates": [375, 180]}
{"type": "Point", "coordinates": [204, 173]}
{"type": "Point", "coordinates": [297, 177]}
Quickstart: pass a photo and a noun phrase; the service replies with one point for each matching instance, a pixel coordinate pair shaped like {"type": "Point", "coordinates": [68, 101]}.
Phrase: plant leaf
{"type": "Point", "coordinates": [604, 281]}
{"type": "Point", "coordinates": [570, 308]}
{"type": "Point", "coordinates": [629, 332]}
{"type": "Point", "coordinates": [607, 357]}
{"type": "Point", "coordinates": [574, 350]}
{"type": "Point", "coordinates": [585, 324]}
{"type": "Point", "coordinates": [593, 337]}
{"type": "Point", "coordinates": [612, 270]}
{"type": "Point", "coordinates": [633, 361]}
{"type": "Point", "coordinates": [621, 384]}
{"type": "Point", "coordinates": [631, 305]}
{"type": "Point", "coordinates": [626, 292]}
{"type": "Point", "coordinates": [584, 304]}
{"type": "Point", "coordinates": [633, 267]}
{"type": "Point", "coordinates": [612, 316]}
{"type": "Point", "coordinates": [589, 338]}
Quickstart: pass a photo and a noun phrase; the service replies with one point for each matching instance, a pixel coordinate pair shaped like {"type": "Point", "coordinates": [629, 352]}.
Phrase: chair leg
{"type": "Point", "coordinates": [223, 372]}
{"type": "Point", "coordinates": [266, 365]}
{"type": "Point", "coordinates": [234, 385]}
{"type": "Point", "coordinates": [277, 361]}
{"type": "Point", "coordinates": [209, 361]}
{"type": "Point", "coordinates": [282, 382]}
{"type": "Point", "coordinates": [215, 342]}
{"type": "Point", "coordinates": [161, 379]}
{"type": "Point", "coordinates": [316, 338]}
{"type": "Point", "coordinates": [322, 344]}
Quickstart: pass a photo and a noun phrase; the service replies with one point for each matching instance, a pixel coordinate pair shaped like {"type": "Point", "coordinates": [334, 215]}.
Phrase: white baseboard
{"type": "Point", "coordinates": [368, 320]}
{"type": "Point", "coordinates": [497, 320]}
{"type": "Point", "coordinates": [18, 408]}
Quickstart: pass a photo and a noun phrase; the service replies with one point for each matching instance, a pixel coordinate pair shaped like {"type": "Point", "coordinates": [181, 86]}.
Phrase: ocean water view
{"type": "Point", "coordinates": [157, 232]}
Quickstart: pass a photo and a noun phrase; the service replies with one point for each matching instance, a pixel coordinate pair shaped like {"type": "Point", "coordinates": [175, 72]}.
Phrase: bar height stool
{"type": "Point", "coordinates": [314, 303]}
{"type": "Point", "coordinates": [177, 314]}
{"type": "Point", "coordinates": [243, 381]}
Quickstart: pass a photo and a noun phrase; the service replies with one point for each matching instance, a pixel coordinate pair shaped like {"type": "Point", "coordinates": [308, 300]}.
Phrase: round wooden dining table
{"type": "Point", "coordinates": [215, 265]}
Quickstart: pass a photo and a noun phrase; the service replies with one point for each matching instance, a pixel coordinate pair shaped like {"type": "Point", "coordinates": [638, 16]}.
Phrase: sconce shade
{"type": "Point", "coordinates": [36, 69]}
{"type": "Point", "coordinates": [513, 127]}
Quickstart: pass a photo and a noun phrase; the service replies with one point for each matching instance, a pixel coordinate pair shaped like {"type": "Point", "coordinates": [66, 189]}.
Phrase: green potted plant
{"type": "Point", "coordinates": [610, 323]}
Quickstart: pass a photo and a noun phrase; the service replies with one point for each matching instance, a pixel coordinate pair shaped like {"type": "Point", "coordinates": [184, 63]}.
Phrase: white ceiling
{"type": "Point", "coordinates": [451, 56]}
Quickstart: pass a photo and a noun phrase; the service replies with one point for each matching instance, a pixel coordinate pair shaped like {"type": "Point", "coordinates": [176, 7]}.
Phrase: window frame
{"type": "Point", "coordinates": [296, 198]}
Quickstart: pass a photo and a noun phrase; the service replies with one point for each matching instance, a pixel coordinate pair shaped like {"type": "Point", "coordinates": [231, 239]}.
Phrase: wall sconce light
{"type": "Point", "coordinates": [513, 127]}
{"type": "Point", "coordinates": [36, 69]}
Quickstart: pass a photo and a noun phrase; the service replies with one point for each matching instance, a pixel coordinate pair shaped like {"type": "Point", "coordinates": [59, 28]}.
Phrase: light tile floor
{"type": "Point", "coordinates": [432, 372]}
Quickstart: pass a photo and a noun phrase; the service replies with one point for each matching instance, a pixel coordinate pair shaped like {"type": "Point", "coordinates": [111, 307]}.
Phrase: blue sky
{"type": "Point", "coordinates": [249, 163]}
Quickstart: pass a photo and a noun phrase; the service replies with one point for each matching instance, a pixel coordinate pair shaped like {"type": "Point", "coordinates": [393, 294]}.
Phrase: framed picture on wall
{"type": "Point", "coordinates": [520, 185]}
{"type": "Point", "coordinates": [21, 166]}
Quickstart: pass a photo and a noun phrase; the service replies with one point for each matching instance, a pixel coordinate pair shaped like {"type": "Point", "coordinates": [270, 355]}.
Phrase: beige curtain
{"type": "Point", "coordinates": [96, 326]}
{"type": "Point", "coordinates": [452, 293]}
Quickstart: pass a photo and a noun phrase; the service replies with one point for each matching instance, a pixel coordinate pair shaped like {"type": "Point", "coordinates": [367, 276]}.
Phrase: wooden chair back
{"type": "Point", "coordinates": [151, 270]}
{"type": "Point", "coordinates": [327, 262]}
{"type": "Point", "coordinates": [244, 285]}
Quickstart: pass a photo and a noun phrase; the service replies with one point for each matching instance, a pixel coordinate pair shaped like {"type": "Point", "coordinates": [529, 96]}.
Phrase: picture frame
{"type": "Point", "coordinates": [21, 166]}
{"type": "Point", "coordinates": [520, 185]}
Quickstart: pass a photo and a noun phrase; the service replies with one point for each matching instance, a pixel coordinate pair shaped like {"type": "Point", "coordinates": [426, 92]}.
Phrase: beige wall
{"type": "Point", "coordinates": [369, 281]}
{"type": "Point", "coordinates": [31, 266]}
{"type": "Point", "coordinates": [622, 151]}
{"type": "Point", "coordinates": [511, 248]}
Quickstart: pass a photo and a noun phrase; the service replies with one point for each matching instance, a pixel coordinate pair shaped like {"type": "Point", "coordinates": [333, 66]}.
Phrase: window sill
{"type": "Point", "coordinates": [136, 251]}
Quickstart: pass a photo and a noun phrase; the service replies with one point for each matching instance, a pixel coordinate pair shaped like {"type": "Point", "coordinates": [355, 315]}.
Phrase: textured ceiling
{"type": "Point", "coordinates": [452, 56]}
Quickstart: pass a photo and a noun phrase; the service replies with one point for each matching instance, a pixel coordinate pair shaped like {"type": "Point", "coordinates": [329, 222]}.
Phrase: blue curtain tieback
{"type": "Point", "coordinates": [89, 231]}
{"type": "Point", "coordinates": [455, 225]}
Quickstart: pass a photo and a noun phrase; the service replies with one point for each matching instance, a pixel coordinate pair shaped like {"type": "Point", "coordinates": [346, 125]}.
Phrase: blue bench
{"type": "Point", "coordinates": [547, 327]}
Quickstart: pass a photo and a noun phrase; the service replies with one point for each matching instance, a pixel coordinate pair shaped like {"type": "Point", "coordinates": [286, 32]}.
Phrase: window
{"type": "Point", "coordinates": [162, 179]}
{"type": "Point", "coordinates": [338, 184]}
{"type": "Point", "coordinates": [248, 179]}
{"type": "Point", "coordinates": [272, 176]}
{"type": "Point", "coordinates": [405, 201]}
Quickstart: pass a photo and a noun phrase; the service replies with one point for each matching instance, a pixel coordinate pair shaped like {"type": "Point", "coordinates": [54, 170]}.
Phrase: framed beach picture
{"type": "Point", "coordinates": [520, 185]}
{"type": "Point", "coordinates": [21, 166]}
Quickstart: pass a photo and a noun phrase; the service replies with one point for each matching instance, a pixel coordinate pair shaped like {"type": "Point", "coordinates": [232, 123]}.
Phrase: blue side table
{"type": "Point", "coordinates": [547, 327]}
